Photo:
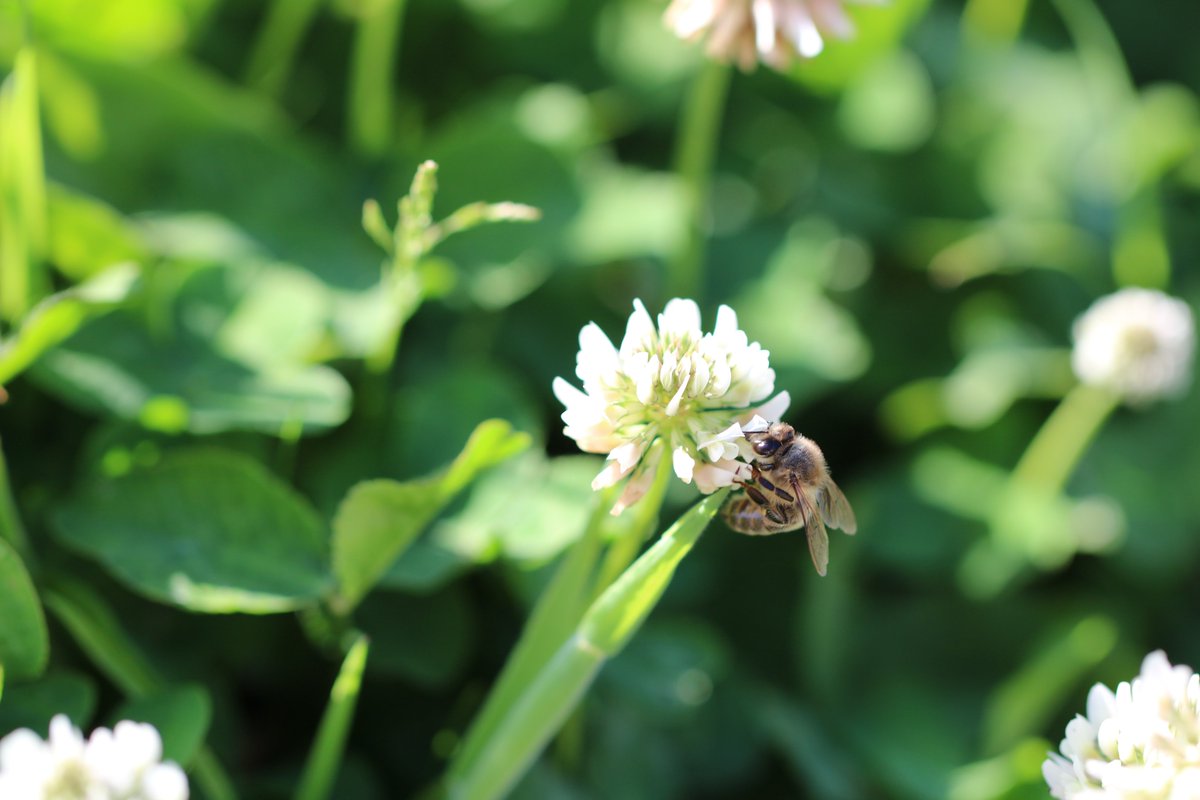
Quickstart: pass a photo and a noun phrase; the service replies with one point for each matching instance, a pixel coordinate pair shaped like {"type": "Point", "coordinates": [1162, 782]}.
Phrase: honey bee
{"type": "Point", "coordinates": [790, 488]}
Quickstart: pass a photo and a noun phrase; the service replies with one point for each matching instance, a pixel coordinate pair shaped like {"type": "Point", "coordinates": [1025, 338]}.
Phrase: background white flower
{"type": "Point", "coordinates": [1141, 742]}
{"type": "Point", "coordinates": [775, 31]}
{"type": "Point", "coordinates": [124, 763]}
{"type": "Point", "coordinates": [673, 382]}
{"type": "Point", "coordinates": [1138, 343]}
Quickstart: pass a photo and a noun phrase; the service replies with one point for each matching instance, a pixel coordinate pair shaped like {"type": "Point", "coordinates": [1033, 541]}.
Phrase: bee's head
{"type": "Point", "coordinates": [766, 443]}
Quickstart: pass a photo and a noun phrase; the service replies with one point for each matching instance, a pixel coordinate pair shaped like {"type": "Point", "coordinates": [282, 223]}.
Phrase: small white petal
{"type": "Point", "coordinates": [773, 409]}
{"type": "Point", "coordinates": [683, 463]}
{"type": "Point", "coordinates": [710, 477]}
{"type": "Point", "coordinates": [165, 782]}
{"type": "Point", "coordinates": [673, 406]}
{"type": "Point", "coordinates": [755, 425]}
{"type": "Point", "coordinates": [764, 25]}
{"type": "Point", "coordinates": [638, 331]}
{"type": "Point", "coordinates": [680, 317]}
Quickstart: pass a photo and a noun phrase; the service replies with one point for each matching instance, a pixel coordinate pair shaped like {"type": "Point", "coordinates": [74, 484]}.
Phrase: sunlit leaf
{"type": "Point", "coordinates": [60, 315]}
{"type": "Point", "coordinates": [88, 236]}
{"type": "Point", "coordinates": [205, 529]}
{"type": "Point", "coordinates": [378, 519]}
{"type": "Point", "coordinates": [116, 366]}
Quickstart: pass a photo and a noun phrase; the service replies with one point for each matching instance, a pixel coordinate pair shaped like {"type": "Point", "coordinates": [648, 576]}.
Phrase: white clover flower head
{"type": "Point", "coordinates": [124, 763]}
{"type": "Point", "coordinates": [669, 382]}
{"type": "Point", "coordinates": [773, 31]}
{"type": "Point", "coordinates": [1137, 343]}
{"type": "Point", "coordinates": [1141, 742]}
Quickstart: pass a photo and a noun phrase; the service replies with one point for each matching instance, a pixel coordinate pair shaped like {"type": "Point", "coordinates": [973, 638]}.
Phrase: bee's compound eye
{"type": "Point", "coordinates": [766, 447]}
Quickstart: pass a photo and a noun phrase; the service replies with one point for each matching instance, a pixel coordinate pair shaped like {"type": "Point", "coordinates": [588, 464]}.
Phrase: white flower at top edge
{"type": "Point", "coordinates": [773, 31]}
{"type": "Point", "coordinates": [1141, 742]}
{"type": "Point", "coordinates": [695, 391]}
{"type": "Point", "coordinates": [124, 763]}
{"type": "Point", "coordinates": [1138, 343]}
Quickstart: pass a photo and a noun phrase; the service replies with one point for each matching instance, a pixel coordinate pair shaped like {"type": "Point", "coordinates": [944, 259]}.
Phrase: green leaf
{"type": "Point", "coordinates": [379, 519]}
{"type": "Point", "coordinates": [88, 236]}
{"type": "Point", "coordinates": [556, 497]}
{"type": "Point", "coordinates": [181, 715]}
{"type": "Point", "coordinates": [205, 529]}
{"type": "Point", "coordinates": [115, 365]}
{"type": "Point", "coordinates": [33, 705]}
{"type": "Point", "coordinates": [60, 315]}
{"type": "Point", "coordinates": [24, 644]}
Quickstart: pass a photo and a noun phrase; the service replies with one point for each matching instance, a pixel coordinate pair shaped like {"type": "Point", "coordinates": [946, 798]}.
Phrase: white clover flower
{"type": "Point", "coordinates": [124, 763]}
{"type": "Point", "coordinates": [1137, 343]}
{"type": "Point", "coordinates": [1140, 743]}
{"type": "Point", "coordinates": [693, 390]}
{"type": "Point", "coordinates": [774, 31]}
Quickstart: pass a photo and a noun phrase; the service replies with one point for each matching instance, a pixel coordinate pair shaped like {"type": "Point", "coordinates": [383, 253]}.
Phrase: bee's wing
{"type": "Point", "coordinates": [835, 509]}
{"type": "Point", "coordinates": [818, 540]}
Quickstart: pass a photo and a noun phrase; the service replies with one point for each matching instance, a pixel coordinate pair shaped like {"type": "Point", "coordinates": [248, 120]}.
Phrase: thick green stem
{"type": "Point", "coordinates": [557, 689]}
{"type": "Point", "coordinates": [375, 46]}
{"type": "Point", "coordinates": [1056, 449]}
{"type": "Point", "coordinates": [321, 770]}
{"type": "Point", "coordinates": [554, 617]}
{"type": "Point", "coordinates": [695, 150]}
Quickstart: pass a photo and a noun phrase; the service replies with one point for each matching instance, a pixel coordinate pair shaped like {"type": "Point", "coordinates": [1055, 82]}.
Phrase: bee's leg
{"type": "Point", "coordinates": [757, 496]}
{"type": "Point", "coordinates": [769, 511]}
{"type": "Point", "coordinates": [770, 487]}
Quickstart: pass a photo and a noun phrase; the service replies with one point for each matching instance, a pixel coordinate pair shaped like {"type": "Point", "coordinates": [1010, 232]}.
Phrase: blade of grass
{"type": "Point", "coordinates": [375, 46]}
{"type": "Point", "coordinates": [323, 763]}
{"type": "Point", "coordinates": [561, 606]}
{"type": "Point", "coordinates": [277, 43]}
{"type": "Point", "coordinates": [23, 184]}
{"type": "Point", "coordinates": [605, 629]}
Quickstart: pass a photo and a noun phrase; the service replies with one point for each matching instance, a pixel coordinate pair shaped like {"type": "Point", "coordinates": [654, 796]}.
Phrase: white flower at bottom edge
{"type": "Point", "coordinates": [1141, 742]}
{"type": "Point", "coordinates": [669, 382]}
{"type": "Point", "coordinates": [120, 764]}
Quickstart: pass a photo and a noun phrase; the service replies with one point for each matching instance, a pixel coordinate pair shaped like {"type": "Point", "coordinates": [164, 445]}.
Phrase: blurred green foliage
{"type": "Point", "coordinates": [193, 317]}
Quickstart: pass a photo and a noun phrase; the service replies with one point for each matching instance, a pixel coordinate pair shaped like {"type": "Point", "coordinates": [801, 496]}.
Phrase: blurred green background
{"type": "Point", "coordinates": [910, 224]}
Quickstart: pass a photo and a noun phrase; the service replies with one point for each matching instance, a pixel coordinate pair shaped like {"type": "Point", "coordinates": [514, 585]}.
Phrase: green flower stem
{"type": "Point", "coordinates": [695, 150]}
{"type": "Point", "coordinates": [375, 45]}
{"type": "Point", "coordinates": [643, 523]}
{"type": "Point", "coordinates": [93, 626]}
{"type": "Point", "coordinates": [561, 606]}
{"type": "Point", "coordinates": [321, 770]}
{"type": "Point", "coordinates": [554, 617]}
{"type": "Point", "coordinates": [1056, 449]}
{"type": "Point", "coordinates": [11, 528]}
{"type": "Point", "coordinates": [277, 43]}
{"type": "Point", "coordinates": [605, 629]}
{"type": "Point", "coordinates": [1025, 523]}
